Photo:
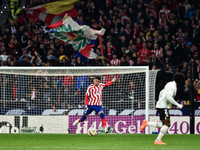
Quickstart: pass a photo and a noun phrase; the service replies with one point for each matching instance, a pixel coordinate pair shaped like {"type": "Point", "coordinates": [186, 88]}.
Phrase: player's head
{"type": "Point", "coordinates": [179, 78]}
{"type": "Point", "coordinates": [97, 80]}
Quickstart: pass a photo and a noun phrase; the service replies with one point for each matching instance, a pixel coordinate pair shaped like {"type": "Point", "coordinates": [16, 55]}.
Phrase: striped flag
{"type": "Point", "coordinates": [81, 37]}
{"type": "Point", "coordinates": [53, 12]}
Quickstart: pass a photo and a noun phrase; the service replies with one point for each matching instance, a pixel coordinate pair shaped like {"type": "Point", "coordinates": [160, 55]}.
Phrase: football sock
{"type": "Point", "coordinates": [163, 130]}
{"type": "Point", "coordinates": [82, 118]}
{"type": "Point", "coordinates": [155, 124]}
{"type": "Point", "coordinates": [102, 115]}
{"type": "Point", "coordinates": [104, 122]}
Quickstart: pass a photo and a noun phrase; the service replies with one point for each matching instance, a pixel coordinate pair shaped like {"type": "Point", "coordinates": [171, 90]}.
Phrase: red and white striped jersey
{"type": "Point", "coordinates": [116, 62]}
{"type": "Point", "coordinates": [130, 62]}
{"type": "Point", "coordinates": [163, 21]}
{"type": "Point", "coordinates": [167, 13]}
{"type": "Point", "coordinates": [157, 53]}
{"type": "Point", "coordinates": [95, 94]}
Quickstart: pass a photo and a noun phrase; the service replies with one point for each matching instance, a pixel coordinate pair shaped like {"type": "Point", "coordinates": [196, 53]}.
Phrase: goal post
{"type": "Point", "coordinates": [147, 97]}
{"type": "Point", "coordinates": [28, 92]}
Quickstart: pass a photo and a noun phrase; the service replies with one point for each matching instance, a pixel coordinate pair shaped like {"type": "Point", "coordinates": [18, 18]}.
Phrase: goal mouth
{"type": "Point", "coordinates": [31, 93]}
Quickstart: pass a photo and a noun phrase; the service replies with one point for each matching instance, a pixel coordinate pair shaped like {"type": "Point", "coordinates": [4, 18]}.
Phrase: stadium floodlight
{"type": "Point", "coordinates": [126, 102]}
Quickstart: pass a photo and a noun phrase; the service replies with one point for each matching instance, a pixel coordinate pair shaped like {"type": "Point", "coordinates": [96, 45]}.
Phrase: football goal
{"type": "Point", "coordinates": [60, 91]}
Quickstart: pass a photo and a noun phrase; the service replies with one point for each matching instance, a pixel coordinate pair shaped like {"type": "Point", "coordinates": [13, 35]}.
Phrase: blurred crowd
{"type": "Point", "coordinates": [163, 34]}
{"type": "Point", "coordinates": [47, 92]}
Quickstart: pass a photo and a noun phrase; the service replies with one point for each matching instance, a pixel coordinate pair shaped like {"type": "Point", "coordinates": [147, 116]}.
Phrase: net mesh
{"type": "Point", "coordinates": [62, 91]}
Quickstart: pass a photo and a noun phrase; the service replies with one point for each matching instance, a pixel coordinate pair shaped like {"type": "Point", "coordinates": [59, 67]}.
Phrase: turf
{"type": "Point", "coordinates": [99, 142]}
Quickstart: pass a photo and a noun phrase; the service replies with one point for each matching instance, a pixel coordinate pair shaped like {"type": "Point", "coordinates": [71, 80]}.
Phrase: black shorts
{"type": "Point", "coordinates": [164, 113]}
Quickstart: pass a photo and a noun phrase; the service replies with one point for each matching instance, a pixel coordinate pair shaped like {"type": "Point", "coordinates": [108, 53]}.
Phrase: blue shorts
{"type": "Point", "coordinates": [90, 108]}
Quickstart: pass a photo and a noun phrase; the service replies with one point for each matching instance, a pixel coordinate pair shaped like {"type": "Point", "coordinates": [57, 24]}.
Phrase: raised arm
{"type": "Point", "coordinates": [110, 82]}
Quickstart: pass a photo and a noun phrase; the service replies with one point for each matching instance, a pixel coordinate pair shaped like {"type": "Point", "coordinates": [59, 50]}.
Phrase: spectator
{"type": "Point", "coordinates": [14, 12]}
{"type": "Point", "coordinates": [12, 2]}
{"type": "Point", "coordinates": [24, 39]}
{"type": "Point", "coordinates": [181, 10]}
{"type": "Point", "coordinates": [165, 11]}
{"type": "Point", "coordinates": [49, 97]}
{"type": "Point", "coordinates": [80, 21]}
{"type": "Point", "coordinates": [124, 62]}
{"type": "Point", "coordinates": [115, 61]}
{"type": "Point", "coordinates": [73, 61]}
{"type": "Point", "coordinates": [186, 91]}
{"type": "Point", "coordinates": [134, 94]}
{"type": "Point", "coordinates": [144, 53]}
{"type": "Point", "coordinates": [163, 19]}
{"type": "Point", "coordinates": [79, 61]}
{"type": "Point", "coordinates": [154, 60]}
{"type": "Point", "coordinates": [104, 58]}
{"type": "Point", "coordinates": [139, 62]}
{"type": "Point", "coordinates": [128, 59]}
{"type": "Point", "coordinates": [187, 7]}
{"type": "Point", "coordinates": [137, 19]}
{"type": "Point", "coordinates": [63, 61]}
{"type": "Point", "coordinates": [191, 11]}
{"type": "Point", "coordinates": [109, 51]}
{"type": "Point", "coordinates": [25, 61]}
{"type": "Point", "coordinates": [198, 95]}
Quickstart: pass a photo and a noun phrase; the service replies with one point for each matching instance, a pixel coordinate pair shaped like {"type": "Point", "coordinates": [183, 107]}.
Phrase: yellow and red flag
{"type": "Point", "coordinates": [53, 12]}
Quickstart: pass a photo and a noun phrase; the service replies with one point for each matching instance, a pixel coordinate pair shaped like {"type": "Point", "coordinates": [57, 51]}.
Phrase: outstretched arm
{"type": "Point", "coordinates": [171, 100]}
{"type": "Point", "coordinates": [109, 83]}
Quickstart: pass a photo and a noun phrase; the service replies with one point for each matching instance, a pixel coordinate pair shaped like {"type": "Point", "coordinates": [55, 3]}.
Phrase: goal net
{"type": "Point", "coordinates": [38, 96]}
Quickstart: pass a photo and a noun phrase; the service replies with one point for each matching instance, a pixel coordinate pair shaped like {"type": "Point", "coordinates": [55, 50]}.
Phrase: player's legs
{"type": "Point", "coordinates": [165, 118]}
{"type": "Point", "coordinates": [163, 130]}
{"type": "Point", "coordinates": [85, 114]}
{"type": "Point", "coordinates": [153, 124]}
{"type": "Point", "coordinates": [99, 110]}
{"type": "Point", "coordinates": [103, 120]}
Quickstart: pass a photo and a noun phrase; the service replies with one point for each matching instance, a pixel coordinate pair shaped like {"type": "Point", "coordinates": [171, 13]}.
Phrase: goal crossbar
{"type": "Point", "coordinates": [77, 71]}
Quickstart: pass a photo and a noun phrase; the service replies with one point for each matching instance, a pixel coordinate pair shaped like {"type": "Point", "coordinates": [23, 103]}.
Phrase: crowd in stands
{"type": "Point", "coordinates": [49, 92]}
{"type": "Point", "coordinates": [163, 34]}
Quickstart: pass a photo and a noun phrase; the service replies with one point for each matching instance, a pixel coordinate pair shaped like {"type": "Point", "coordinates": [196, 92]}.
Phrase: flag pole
{"type": "Point", "coordinates": [101, 45]}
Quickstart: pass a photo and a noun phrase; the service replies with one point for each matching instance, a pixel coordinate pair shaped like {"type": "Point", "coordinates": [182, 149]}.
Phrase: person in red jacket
{"type": "Point", "coordinates": [144, 53]}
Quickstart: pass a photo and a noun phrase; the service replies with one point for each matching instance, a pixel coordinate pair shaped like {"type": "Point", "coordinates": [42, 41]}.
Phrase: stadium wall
{"type": "Point", "coordinates": [63, 124]}
{"type": "Point", "coordinates": [179, 125]}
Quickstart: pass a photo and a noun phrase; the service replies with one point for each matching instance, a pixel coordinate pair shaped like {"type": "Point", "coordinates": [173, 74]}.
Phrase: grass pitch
{"type": "Point", "coordinates": [98, 142]}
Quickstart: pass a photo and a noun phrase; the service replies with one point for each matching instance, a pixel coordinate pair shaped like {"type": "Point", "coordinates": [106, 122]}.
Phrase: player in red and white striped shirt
{"type": "Point", "coordinates": [94, 93]}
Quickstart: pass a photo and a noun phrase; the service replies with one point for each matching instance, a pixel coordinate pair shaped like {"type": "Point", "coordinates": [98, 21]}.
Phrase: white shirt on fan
{"type": "Point", "coordinates": [167, 95]}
